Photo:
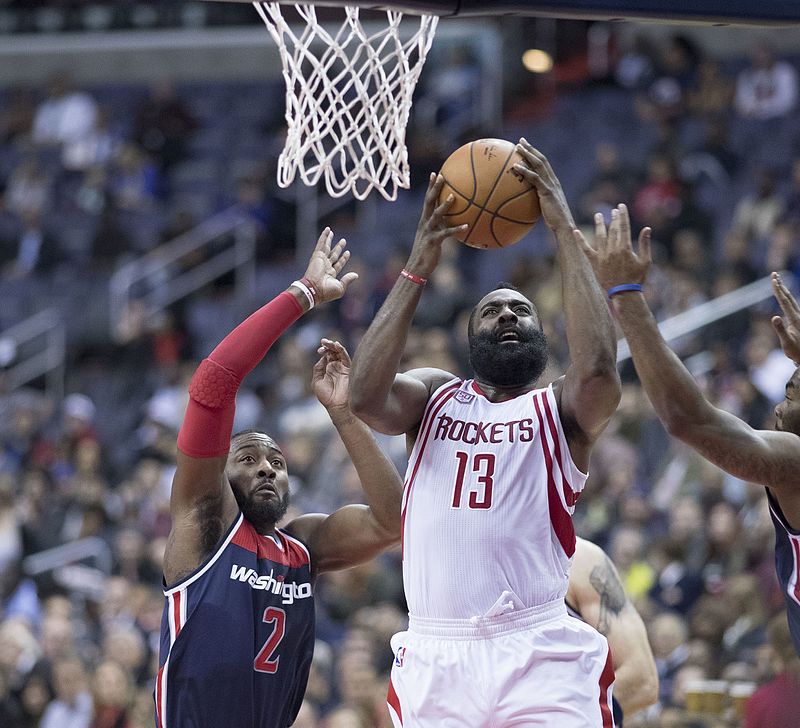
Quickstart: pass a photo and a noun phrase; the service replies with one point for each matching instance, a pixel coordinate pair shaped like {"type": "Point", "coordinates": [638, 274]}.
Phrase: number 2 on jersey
{"type": "Point", "coordinates": [480, 498]}
{"type": "Point", "coordinates": [264, 661]}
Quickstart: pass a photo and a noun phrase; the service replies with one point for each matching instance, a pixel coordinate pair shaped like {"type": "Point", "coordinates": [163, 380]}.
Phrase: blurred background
{"type": "Point", "coordinates": [140, 221]}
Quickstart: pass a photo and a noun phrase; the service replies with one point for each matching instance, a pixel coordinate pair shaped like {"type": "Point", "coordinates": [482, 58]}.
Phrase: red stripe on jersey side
{"type": "Point", "coordinates": [394, 701]}
{"type": "Point", "coordinates": [570, 496]}
{"type": "Point", "coordinates": [606, 680]}
{"type": "Point", "coordinates": [159, 716]}
{"type": "Point", "coordinates": [264, 547]}
{"type": "Point", "coordinates": [433, 410]}
{"type": "Point", "coordinates": [176, 613]}
{"type": "Point", "coordinates": [796, 549]}
{"type": "Point", "coordinates": [559, 517]}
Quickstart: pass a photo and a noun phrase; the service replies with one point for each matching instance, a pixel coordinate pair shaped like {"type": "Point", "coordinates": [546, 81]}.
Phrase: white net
{"type": "Point", "coordinates": [348, 97]}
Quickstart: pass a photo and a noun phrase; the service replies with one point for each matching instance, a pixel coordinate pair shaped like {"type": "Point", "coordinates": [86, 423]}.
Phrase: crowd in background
{"type": "Point", "coordinates": [717, 177]}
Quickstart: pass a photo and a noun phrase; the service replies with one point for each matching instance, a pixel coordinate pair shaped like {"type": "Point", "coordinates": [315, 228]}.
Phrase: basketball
{"type": "Point", "coordinates": [497, 203]}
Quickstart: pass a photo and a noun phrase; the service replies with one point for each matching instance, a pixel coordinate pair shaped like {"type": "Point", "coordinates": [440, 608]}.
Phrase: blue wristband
{"type": "Point", "coordinates": [614, 290]}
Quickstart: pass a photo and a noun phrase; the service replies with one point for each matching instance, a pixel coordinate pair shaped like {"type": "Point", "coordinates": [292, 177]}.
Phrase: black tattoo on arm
{"type": "Point", "coordinates": [606, 583]}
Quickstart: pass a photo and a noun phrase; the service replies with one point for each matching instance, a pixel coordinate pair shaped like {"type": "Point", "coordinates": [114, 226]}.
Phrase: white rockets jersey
{"type": "Point", "coordinates": [487, 504]}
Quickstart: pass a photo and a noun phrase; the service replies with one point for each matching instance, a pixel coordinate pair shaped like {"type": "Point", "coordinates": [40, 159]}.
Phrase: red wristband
{"type": "Point", "coordinates": [311, 287]}
{"type": "Point", "coordinates": [413, 277]}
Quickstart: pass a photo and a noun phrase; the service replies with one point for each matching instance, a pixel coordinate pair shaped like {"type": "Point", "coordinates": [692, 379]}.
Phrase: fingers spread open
{"type": "Point", "coordinates": [624, 223]}
{"type": "Point", "coordinates": [348, 278]}
{"type": "Point", "coordinates": [434, 188]}
{"type": "Point", "coordinates": [441, 211]}
{"type": "Point", "coordinates": [584, 245]}
{"type": "Point", "coordinates": [644, 244]}
{"type": "Point", "coordinates": [600, 232]}
{"type": "Point", "coordinates": [342, 262]}
{"type": "Point", "coordinates": [324, 240]}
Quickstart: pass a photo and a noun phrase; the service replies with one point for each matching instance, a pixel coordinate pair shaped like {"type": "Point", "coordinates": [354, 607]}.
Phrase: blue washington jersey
{"type": "Point", "coordinates": [237, 636]}
{"type": "Point", "coordinates": [787, 563]}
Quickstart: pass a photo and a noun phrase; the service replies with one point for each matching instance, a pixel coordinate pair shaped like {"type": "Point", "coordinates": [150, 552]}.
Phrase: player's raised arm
{"type": "Point", "coordinates": [202, 504]}
{"type": "Point", "coordinates": [596, 593]}
{"type": "Point", "coordinates": [390, 402]}
{"type": "Point", "coordinates": [765, 457]}
{"type": "Point", "coordinates": [354, 533]}
{"type": "Point", "coordinates": [591, 388]}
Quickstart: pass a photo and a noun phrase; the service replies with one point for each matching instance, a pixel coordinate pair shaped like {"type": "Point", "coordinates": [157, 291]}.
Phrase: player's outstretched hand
{"type": "Point", "coordinates": [432, 229]}
{"type": "Point", "coordinates": [612, 257]}
{"type": "Point", "coordinates": [787, 326]}
{"type": "Point", "coordinates": [537, 171]}
{"type": "Point", "coordinates": [330, 379]}
{"type": "Point", "coordinates": [324, 267]}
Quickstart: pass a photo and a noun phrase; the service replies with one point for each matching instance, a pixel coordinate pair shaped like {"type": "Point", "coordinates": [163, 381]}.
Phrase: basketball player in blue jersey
{"type": "Point", "coordinates": [769, 458]}
{"type": "Point", "coordinates": [238, 627]}
{"type": "Point", "coordinates": [497, 463]}
{"type": "Point", "coordinates": [596, 595]}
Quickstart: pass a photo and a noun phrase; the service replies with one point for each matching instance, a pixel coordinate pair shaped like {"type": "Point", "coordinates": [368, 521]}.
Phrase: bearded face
{"type": "Point", "coordinates": [262, 511]}
{"type": "Point", "coordinates": [507, 363]}
{"type": "Point", "coordinates": [507, 347]}
{"type": "Point", "coordinates": [257, 473]}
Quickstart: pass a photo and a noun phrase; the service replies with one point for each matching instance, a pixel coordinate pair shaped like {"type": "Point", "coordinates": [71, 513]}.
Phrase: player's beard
{"type": "Point", "coordinates": [508, 365]}
{"type": "Point", "coordinates": [263, 514]}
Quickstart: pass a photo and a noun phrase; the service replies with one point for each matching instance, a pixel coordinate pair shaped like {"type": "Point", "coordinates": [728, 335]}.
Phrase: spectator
{"type": "Point", "coordinates": [757, 215]}
{"type": "Point", "coordinates": [72, 707]}
{"type": "Point", "coordinates": [164, 125]}
{"type": "Point", "coordinates": [777, 703]}
{"type": "Point", "coordinates": [768, 88]}
{"type": "Point", "coordinates": [66, 115]}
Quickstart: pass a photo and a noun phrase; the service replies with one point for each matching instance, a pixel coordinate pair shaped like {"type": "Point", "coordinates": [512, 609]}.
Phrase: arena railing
{"type": "Point", "coordinates": [157, 279]}
{"type": "Point", "coordinates": [33, 348]}
{"type": "Point", "coordinates": [697, 317]}
{"type": "Point", "coordinates": [81, 566]}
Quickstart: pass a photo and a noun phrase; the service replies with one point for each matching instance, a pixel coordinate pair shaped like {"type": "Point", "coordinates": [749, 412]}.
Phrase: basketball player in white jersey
{"type": "Point", "coordinates": [496, 466]}
{"type": "Point", "coordinates": [596, 595]}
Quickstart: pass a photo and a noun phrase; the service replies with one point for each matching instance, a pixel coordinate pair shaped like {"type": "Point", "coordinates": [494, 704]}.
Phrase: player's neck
{"type": "Point", "coordinates": [496, 393]}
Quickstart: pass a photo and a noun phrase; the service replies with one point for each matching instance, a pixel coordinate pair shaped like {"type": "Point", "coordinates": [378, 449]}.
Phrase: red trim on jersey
{"type": "Point", "coordinates": [606, 680]}
{"type": "Point", "coordinates": [570, 496]}
{"type": "Point", "coordinates": [796, 549]}
{"type": "Point", "coordinates": [394, 701]}
{"type": "Point", "coordinates": [176, 613]}
{"type": "Point", "coordinates": [425, 430]}
{"type": "Point", "coordinates": [478, 389]}
{"type": "Point", "coordinates": [292, 555]}
{"type": "Point", "coordinates": [159, 717]}
{"type": "Point", "coordinates": [559, 517]}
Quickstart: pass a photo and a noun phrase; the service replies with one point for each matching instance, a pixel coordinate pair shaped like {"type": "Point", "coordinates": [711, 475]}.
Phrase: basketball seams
{"type": "Point", "coordinates": [488, 196]}
{"type": "Point", "coordinates": [511, 199]}
{"type": "Point", "coordinates": [487, 226]}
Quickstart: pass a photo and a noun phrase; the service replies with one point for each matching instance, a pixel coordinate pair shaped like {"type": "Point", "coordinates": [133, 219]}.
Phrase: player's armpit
{"type": "Point", "coordinates": [404, 406]}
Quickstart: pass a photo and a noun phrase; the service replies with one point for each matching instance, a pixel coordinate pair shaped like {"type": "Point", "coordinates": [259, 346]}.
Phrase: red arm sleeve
{"type": "Point", "coordinates": [208, 423]}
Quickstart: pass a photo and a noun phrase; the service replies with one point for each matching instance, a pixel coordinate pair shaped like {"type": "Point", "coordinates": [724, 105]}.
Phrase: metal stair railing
{"type": "Point", "coordinates": [156, 281]}
{"type": "Point", "coordinates": [47, 360]}
{"type": "Point", "coordinates": [706, 313]}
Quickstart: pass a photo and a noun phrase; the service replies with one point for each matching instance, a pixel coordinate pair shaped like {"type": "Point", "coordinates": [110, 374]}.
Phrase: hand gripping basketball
{"type": "Point", "coordinates": [432, 230]}
{"type": "Point", "coordinates": [498, 205]}
{"type": "Point", "coordinates": [537, 170]}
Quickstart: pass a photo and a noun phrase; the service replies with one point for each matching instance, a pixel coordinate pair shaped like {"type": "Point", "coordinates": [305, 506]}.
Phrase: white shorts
{"type": "Point", "coordinates": [535, 667]}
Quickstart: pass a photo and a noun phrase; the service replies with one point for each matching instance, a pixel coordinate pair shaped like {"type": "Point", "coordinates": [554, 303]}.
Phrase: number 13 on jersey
{"type": "Point", "coordinates": [482, 465]}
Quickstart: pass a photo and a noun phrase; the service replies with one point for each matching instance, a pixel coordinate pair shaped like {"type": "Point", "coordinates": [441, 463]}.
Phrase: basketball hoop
{"type": "Point", "coordinates": [348, 97]}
